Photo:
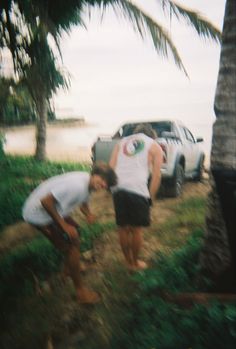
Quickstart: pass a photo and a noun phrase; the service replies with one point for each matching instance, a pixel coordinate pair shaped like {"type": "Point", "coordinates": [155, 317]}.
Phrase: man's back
{"type": "Point", "coordinates": [132, 167]}
{"type": "Point", "coordinates": [68, 189]}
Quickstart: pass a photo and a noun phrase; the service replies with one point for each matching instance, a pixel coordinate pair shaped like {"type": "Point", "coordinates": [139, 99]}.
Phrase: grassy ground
{"type": "Point", "coordinates": [38, 308]}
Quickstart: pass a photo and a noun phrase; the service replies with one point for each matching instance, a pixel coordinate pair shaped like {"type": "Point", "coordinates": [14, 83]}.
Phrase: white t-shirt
{"type": "Point", "coordinates": [132, 167]}
{"type": "Point", "coordinates": [70, 190]}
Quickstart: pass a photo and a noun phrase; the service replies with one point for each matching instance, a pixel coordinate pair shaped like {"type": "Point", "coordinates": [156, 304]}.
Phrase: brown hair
{"type": "Point", "coordinates": [146, 129]}
{"type": "Point", "coordinates": [106, 172]}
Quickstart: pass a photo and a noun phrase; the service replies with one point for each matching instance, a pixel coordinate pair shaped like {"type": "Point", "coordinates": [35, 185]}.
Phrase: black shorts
{"type": "Point", "coordinates": [131, 209]}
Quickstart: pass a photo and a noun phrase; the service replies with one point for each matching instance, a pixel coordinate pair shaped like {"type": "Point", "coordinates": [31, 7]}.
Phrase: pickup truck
{"type": "Point", "coordinates": [182, 156]}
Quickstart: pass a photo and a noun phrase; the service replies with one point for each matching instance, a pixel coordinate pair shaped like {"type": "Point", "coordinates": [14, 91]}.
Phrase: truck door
{"type": "Point", "coordinates": [191, 150]}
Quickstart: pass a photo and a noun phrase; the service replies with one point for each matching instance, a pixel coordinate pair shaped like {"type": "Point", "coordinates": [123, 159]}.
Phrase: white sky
{"type": "Point", "coordinates": [116, 76]}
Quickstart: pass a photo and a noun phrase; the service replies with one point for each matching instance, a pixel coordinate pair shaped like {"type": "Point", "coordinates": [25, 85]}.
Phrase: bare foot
{"type": "Point", "coordinates": [86, 296]}
{"type": "Point", "coordinates": [139, 265]}
{"type": "Point", "coordinates": [83, 267]}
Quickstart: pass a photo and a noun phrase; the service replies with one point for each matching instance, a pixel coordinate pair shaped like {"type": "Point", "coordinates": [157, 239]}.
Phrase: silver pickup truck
{"type": "Point", "coordinates": [183, 158]}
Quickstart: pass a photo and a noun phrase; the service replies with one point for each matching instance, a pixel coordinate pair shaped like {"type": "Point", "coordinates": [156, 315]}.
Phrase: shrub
{"type": "Point", "coordinates": [148, 321]}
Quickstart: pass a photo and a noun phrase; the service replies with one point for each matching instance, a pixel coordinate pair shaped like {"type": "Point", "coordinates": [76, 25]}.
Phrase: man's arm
{"type": "Point", "coordinates": [155, 161]}
{"type": "Point", "coordinates": [114, 156]}
{"type": "Point", "coordinates": [84, 208]}
{"type": "Point", "coordinates": [49, 204]}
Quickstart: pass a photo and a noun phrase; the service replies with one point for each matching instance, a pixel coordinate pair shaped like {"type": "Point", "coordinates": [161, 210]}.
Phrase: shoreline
{"type": "Point", "coordinates": [51, 124]}
{"type": "Point", "coordinates": [66, 141]}
{"type": "Point", "coordinates": [20, 140]}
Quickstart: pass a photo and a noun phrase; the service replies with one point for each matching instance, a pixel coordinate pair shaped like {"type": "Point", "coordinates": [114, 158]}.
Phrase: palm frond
{"type": "Point", "coordinates": [203, 27]}
{"type": "Point", "coordinates": [146, 26]}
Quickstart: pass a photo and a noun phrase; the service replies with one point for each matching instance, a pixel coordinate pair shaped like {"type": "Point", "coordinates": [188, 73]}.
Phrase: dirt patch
{"type": "Point", "coordinates": [107, 250]}
{"type": "Point", "coordinates": [107, 253]}
{"type": "Point", "coordinates": [16, 234]}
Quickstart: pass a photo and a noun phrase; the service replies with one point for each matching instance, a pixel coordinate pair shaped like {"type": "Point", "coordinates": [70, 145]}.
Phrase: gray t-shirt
{"type": "Point", "coordinates": [70, 190]}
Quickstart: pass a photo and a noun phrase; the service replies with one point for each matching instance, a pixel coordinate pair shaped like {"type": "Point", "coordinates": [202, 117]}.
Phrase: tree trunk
{"type": "Point", "coordinates": [41, 128]}
{"type": "Point", "coordinates": [218, 256]}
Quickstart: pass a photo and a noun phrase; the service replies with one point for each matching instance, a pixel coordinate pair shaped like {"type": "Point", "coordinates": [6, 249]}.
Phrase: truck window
{"type": "Point", "coordinates": [189, 136]}
{"type": "Point", "coordinates": [160, 127]}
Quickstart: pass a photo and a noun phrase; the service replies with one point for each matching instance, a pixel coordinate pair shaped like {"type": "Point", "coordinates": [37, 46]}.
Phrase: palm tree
{"type": "Point", "coordinates": [5, 91]}
{"type": "Point", "coordinates": [36, 21]}
{"type": "Point", "coordinates": [24, 31]}
{"type": "Point", "coordinates": [218, 257]}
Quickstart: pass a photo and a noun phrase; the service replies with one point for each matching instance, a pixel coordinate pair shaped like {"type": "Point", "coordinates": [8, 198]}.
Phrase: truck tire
{"type": "Point", "coordinates": [175, 187]}
{"type": "Point", "coordinates": [200, 170]}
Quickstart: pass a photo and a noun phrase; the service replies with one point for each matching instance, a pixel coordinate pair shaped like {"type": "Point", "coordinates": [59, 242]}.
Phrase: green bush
{"type": "Point", "coordinates": [35, 260]}
{"type": "Point", "coordinates": [148, 321]}
{"type": "Point", "coordinates": [23, 271]}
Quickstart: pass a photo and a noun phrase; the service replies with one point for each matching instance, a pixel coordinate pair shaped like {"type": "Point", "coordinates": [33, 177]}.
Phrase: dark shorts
{"type": "Point", "coordinates": [131, 209]}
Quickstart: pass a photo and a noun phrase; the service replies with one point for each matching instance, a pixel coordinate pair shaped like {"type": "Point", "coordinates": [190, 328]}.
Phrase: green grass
{"type": "Point", "coordinates": [134, 314]}
{"type": "Point", "coordinates": [140, 318]}
{"type": "Point", "coordinates": [187, 216]}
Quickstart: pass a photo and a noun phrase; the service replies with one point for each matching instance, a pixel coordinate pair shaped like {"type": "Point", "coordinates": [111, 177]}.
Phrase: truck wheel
{"type": "Point", "coordinates": [200, 170]}
{"type": "Point", "coordinates": [176, 185]}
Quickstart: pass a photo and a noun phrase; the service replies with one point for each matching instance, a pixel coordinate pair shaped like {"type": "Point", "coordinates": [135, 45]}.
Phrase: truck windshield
{"type": "Point", "coordinates": [159, 127]}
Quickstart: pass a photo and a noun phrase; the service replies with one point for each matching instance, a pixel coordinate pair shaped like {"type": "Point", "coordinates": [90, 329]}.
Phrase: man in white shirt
{"type": "Point", "coordinates": [132, 159]}
{"type": "Point", "coordinates": [48, 208]}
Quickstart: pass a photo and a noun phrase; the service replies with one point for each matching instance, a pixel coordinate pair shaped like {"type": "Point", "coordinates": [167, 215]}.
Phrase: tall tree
{"type": "Point", "coordinates": [5, 91]}
{"type": "Point", "coordinates": [218, 257]}
{"type": "Point", "coordinates": [16, 104]}
{"type": "Point", "coordinates": [26, 26]}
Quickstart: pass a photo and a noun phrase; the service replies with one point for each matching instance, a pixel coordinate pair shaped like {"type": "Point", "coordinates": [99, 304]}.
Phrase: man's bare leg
{"type": "Point", "coordinates": [125, 243]}
{"type": "Point", "coordinates": [71, 263]}
{"type": "Point", "coordinates": [137, 242]}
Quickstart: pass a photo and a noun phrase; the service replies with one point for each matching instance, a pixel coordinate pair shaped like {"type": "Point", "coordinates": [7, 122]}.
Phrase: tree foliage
{"type": "Point", "coordinates": [28, 29]}
{"type": "Point", "coordinates": [16, 104]}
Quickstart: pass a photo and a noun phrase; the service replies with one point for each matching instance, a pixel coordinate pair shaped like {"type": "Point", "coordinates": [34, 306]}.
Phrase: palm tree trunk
{"type": "Point", "coordinates": [218, 256]}
{"type": "Point", "coordinates": [41, 128]}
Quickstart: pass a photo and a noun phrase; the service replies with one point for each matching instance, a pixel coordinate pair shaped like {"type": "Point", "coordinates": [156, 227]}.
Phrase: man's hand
{"type": "Point", "coordinates": [155, 158]}
{"type": "Point", "coordinates": [71, 231]}
{"type": "Point", "coordinates": [88, 215]}
{"type": "Point", "coordinates": [91, 218]}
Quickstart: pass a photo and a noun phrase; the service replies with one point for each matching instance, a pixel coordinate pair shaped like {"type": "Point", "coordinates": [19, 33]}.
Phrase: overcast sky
{"type": "Point", "coordinates": [116, 76]}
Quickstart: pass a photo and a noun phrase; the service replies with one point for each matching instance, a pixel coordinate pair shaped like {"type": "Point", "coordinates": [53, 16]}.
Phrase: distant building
{"type": "Point", "coordinates": [68, 114]}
